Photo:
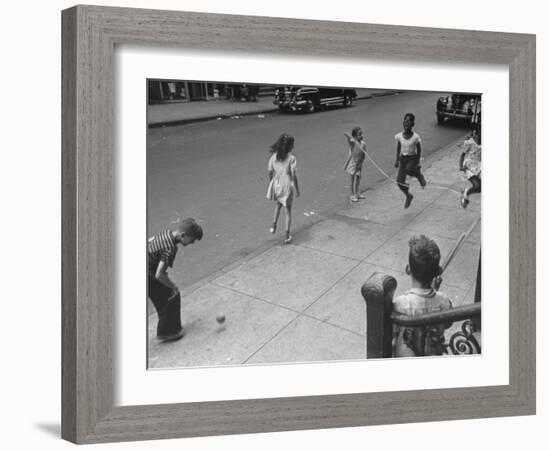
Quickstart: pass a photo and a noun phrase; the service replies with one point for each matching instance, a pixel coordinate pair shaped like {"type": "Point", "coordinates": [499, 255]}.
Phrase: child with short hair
{"type": "Point", "coordinates": [470, 164]}
{"type": "Point", "coordinates": [162, 291]}
{"type": "Point", "coordinates": [407, 157]}
{"type": "Point", "coordinates": [354, 163]}
{"type": "Point", "coordinates": [422, 298]}
{"type": "Point", "coordinates": [283, 180]}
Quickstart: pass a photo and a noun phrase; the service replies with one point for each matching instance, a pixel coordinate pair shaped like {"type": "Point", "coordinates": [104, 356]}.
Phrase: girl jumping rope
{"type": "Point", "coordinates": [354, 163]}
{"type": "Point", "coordinates": [283, 180]}
{"type": "Point", "coordinates": [470, 164]}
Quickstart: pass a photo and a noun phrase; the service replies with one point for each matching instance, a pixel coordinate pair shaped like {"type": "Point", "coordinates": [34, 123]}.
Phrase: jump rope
{"type": "Point", "coordinates": [431, 186]}
{"type": "Point", "coordinates": [463, 235]}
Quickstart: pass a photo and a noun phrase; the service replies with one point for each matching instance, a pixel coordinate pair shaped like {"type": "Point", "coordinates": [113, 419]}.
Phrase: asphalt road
{"type": "Point", "coordinates": [216, 172]}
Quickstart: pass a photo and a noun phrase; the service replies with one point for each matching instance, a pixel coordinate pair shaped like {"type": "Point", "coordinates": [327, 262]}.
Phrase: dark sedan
{"type": "Point", "coordinates": [311, 99]}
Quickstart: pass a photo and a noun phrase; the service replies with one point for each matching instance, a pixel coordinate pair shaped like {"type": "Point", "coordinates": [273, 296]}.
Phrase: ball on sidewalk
{"type": "Point", "coordinates": [220, 318]}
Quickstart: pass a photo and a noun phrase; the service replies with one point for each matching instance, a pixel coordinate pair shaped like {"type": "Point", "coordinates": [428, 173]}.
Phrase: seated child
{"type": "Point", "coordinates": [162, 291]}
{"type": "Point", "coordinates": [423, 267]}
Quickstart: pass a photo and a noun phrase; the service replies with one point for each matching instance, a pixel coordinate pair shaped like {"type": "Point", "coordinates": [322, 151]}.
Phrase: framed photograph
{"type": "Point", "coordinates": [259, 222]}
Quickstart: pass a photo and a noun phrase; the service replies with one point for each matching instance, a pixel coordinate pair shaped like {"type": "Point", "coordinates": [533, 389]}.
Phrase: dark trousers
{"type": "Point", "coordinates": [167, 306]}
{"type": "Point", "coordinates": [477, 292]}
{"type": "Point", "coordinates": [476, 185]}
{"type": "Point", "coordinates": [408, 165]}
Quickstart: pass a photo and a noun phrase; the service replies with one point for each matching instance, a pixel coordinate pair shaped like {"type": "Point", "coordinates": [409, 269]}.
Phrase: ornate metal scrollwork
{"type": "Point", "coordinates": [409, 339]}
{"type": "Point", "coordinates": [425, 341]}
{"type": "Point", "coordinates": [464, 342]}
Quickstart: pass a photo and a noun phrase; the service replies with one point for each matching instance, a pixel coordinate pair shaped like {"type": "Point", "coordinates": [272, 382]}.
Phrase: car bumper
{"type": "Point", "coordinates": [282, 104]}
{"type": "Point", "coordinates": [455, 115]}
{"type": "Point", "coordinates": [298, 105]}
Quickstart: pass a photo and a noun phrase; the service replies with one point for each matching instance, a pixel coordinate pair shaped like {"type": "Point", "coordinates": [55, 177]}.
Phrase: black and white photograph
{"type": "Point", "coordinates": [301, 224]}
{"type": "Point", "coordinates": [269, 225]}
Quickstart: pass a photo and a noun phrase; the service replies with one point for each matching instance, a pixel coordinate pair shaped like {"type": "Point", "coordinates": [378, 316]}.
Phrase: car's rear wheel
{"type": "Point", "coordinates": [310, 107]}
{"type": "Point", "coordinates": [347, 101]}
{"type": "Point", "coordinates": [440, 119]}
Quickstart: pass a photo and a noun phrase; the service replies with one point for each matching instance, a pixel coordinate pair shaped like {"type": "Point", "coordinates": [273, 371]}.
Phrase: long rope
{"type": "Point", "coordinates": [458, 244]}
{"type": "Point", "coordinates": [431, 186]}
{"type": "Point", "coordinates": [439, 279]}
{"type": "Point", "coordinates": [460, 240]}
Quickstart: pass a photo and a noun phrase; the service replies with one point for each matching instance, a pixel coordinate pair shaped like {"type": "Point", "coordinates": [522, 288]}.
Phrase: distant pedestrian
{"type": "Point", "coordinates": [470, 164]}
{"type": "Point", "coordinates": [422, 298]}
{"type": "Point", "coordinates": [162, 291]}
{"type": "Point", "coordinates": [407, 157]}
{"type": "Point", "coordinates": [354, 163]}
{"type": "Point", "coordinates": [283, 180]}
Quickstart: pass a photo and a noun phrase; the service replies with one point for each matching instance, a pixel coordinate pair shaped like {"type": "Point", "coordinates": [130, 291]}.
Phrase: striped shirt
{"type": "Point", "coordinates": [161, 247]}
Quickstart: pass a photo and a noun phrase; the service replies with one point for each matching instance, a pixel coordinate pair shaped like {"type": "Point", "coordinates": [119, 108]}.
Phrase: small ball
{"type": "Point", "coordinates": [220, 318]}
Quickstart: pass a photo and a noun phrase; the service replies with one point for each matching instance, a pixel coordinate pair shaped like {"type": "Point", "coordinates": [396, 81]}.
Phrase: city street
{"type": "Point", "coordinates": [216, 172]}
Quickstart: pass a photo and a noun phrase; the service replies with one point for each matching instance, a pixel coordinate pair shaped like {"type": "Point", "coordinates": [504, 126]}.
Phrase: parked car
{"type": "Point", "coordinates": [463, 107]}
{"type": "Point", "coordinates": [311, 99]}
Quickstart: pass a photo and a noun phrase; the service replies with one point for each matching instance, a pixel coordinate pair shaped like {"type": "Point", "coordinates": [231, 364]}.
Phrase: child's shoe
{"type": "Point", "coordinates": [464, 199]}
{"type": "Point", "coordinates": [353, 198]}
{"type": "Point", "coordinates": [360, 196]}
{"type": "Point", "coordinates": [288, 240]}
{"type": "Point", "coordinates": [171, 337]}
{"type": "Point", "coordinates": [422, 181]}
{"type": "Point", "coordinates": [273, 229]}
{"type": "Point", "coordinates": [408, 200]}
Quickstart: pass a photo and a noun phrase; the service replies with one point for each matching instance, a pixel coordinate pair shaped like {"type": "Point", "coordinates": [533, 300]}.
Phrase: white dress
{"type": "Point", "coordinates": [472, 159]}
{"type": "Point", "coordinates": [281, 187]}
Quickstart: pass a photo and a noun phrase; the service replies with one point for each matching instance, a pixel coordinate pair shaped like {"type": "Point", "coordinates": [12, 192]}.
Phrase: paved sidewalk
{"type": "Point", "coordinates": [302, 302]}
{"type": "Point", "coordinates": [188, 112]}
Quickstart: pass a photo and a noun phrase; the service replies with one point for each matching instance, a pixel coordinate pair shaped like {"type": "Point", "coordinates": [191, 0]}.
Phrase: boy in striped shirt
{"type": "Point", "coordinates": [162, 291]}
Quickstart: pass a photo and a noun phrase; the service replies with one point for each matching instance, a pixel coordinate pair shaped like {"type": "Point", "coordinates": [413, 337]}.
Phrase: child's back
{"type": "Point", "coordinates": [423, 267]}
{"type": "Point", "coordinates": [418, 301]}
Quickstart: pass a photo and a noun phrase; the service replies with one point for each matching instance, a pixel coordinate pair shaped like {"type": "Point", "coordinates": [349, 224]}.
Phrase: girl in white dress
{"type": "Point", "coordinates": [354, 163]}
{"type": "Point", "coordinates": [470, 164]}
{"type": "Point", "coordinates": [283, 181]}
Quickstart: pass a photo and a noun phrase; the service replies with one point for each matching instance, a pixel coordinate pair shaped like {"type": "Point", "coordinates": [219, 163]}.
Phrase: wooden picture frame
{"type": "Point", "coordinates": [90, 34]}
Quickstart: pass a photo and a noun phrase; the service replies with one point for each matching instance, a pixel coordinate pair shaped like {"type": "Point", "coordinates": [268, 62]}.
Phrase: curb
{"type": "Point", "coordinates": [179, 122]}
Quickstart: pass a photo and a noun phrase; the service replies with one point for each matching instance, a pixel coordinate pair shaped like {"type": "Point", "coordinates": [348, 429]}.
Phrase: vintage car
{"type": "Point", "coordinates": [463, 107]}
{"type": "Point", "coordinates": [311, 99]}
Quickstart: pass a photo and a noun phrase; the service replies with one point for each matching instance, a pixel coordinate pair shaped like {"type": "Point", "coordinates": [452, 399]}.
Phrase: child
{"type": "Point", "coordinates": [283, 180]}
{"type": "Point", "coordinates": [356, 156]}
{"type": "Point", "coordinates": [423, 267]}
{"type": "Point", "coordinates": [470, 164]}
{"type": "Point", "coordinates": [407, 157]}
{"type": "Point", "coordinates": [162, 291]}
